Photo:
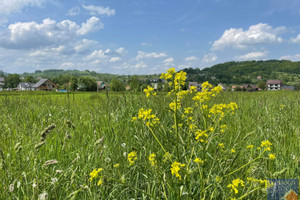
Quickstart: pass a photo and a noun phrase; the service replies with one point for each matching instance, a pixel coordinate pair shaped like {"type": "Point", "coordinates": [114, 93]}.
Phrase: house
{"type": "Point", "coordinates": [259, 78]}
{"type": "Point", "coordinates": [101, 85]}
{"type": "Point", "coordinates": [45, 85]}
{"type": "Point", "coordinates": [2, 83]}
{"type": "Point", "coordinates": [154, 85]}
{"type": "Point", "coordinates": [196, 84]}
{"type": "Point", "coordinates": [274, 84]}
{"type": "Point", "coordinates": [127, 87]}
{"type": "Point", "coordinates": [25, 86]}
{"type": "Point", "coordinates": [249, 87]}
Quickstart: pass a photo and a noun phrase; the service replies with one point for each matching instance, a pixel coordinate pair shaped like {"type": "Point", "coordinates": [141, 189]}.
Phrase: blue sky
{"type": "Point", "coordinates": [144, 36]}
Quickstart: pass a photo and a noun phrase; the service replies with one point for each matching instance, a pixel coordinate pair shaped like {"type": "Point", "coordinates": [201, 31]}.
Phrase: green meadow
{"type": "Point", "coordinates": [51, 142]}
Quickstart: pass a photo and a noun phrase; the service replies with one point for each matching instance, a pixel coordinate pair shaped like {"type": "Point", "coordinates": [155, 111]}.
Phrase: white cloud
{"type": "Point", "coordinates": [168, 60]}
{"type": "Point", "coordinates": [97, 54]}
{"type": "Point", "coordinates": [9, 6]}
{"type": "Point", "coordinates": [296, 40]}
{"type": "Point", "coordinates": [74, 11]}
{"type": "Point", "coordinates": [93, 24]}
{"type": "Point", "coordinates": [66, 65]}
{"type": "Point", "coordinates": [121, 51]}
{"type": "Point", "coordinates": [253, 55]}
{"type": "Point", "coordinates": [114, 59]}
{"type": "Point", "coordinates": [84, 45]}
{"type": "Point", "coordinates": [256, 34]}
{"type": "Point", "coordinates": [28, 35]}
{"type": "Point", "coordinates": [140, 65]}
{"type": "Point", "coordinates": [99, 10]}
{"type": "Point", "coordinates": [208, 58]}
{"type": "Point", "coordinates": [142, 55]}
{"type": "Point", "coordinates": [191, 58]}
{"type": "Point", "coordinates": [295, 57]}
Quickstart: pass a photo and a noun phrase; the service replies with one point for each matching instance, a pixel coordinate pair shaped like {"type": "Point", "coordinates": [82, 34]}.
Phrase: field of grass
{"type": "Point", "coordinates": [90, 131]}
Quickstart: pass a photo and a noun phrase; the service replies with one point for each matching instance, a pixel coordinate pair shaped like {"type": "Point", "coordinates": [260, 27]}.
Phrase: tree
{"type": "Point", "coordinates": [12, 80]}
{"type": "Point", "coordinates": [297, 86]}
{"type": "Point", "coordinates": [116, 85]}
{"type": "Point", "coordinates": [74, 84]}
{"type": "Point", "coordinates": [135, 83]}
{"type": "Point", "coordinates": [30, 79]}
{"type": "Point", "coordinates": [262, 85]}
{"type": "Point", "coordinates": [86, 83]}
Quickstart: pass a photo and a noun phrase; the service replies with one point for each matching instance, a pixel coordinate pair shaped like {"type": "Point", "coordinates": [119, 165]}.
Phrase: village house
{"type": "Point", "coordinates": [246, 87]}
{"type": "Point", "coordinates": [274, 84]}
{"type": "Point", "coordinates": [101, 85]}
{"type": "Point", "coordinates": [2, 83]}
{"type": "Point", "coordinates": [25, 86]}
{"type": "Point", "coordinates": [45, 85]}
{"type": "Point", "coordinates": [196, 84]}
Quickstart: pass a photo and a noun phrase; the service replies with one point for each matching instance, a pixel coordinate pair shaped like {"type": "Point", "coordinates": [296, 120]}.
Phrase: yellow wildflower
{"type": "Point", "coordinates": [132, 156]}
{"type": "Point", "coordinates": [175, 167]}
{"type": "Point", "coordinates": [173, 106]}
{"type": "Point", "coordinates": [221, 145]}
{"type": "Point", "coordinates": [249, 146]}
{"type": "Point", "coordinates": [117, 165]}
{"type": "Point", "coordinates": [94, 173]}
{"type": "Point", "coordinates": [152, 159]}
{"type": "Point", "coordinates": [100, 182]}
{"type": "Point", "coordinates": [232, 151]}
{"type": "Point", "coordinates": [266, 145]}
{"type": "Point", "coordinates": [272, 156]}
{"type": "Point", "coordinates": [167, 156]}
{"type": "Point", "coordinates": [235, 184]}
{"type": "Point", "coordinates": [149, 90]}
{"type": "Point", "coordinates": [198, 160]}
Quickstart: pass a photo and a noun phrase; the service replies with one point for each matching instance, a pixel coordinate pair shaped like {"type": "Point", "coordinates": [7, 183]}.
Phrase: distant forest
{"type": "Point", "coordinates": [235, 72]}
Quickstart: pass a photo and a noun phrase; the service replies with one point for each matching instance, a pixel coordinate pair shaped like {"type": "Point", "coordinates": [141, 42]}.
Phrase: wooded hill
{"type": "Point", "coordinates": [239, 72]}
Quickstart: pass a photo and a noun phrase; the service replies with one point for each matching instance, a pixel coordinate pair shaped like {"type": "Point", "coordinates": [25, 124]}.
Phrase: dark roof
{"type": "Point", "coordinates": [38, 84]}
{"type": "Point", "coordinates": [287, 87]}
{"type": "Point", "coordinates": [274, 82]}
{"type": "Point", "coordinates": [26, 85]}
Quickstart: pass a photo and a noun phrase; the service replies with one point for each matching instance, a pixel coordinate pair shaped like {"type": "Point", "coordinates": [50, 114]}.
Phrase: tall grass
{"type": "Point", "coordinates": [94, 130]}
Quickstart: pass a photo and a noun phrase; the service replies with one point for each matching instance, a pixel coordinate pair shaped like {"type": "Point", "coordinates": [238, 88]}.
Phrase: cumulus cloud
{"type": "Point", "coordinates": [253, 55]}
{"type": "Point", "coordinates": [168, 60]}
{"type": "Point", "coordinates": [256, 34]}
{"type": "Point", "coordinates": [93, 24]}
{"type": "Point", "coordinates": [208, 58]}
{"type": "Point", "coordinates": [142, 55]}
{"type": "Point", "coordinates": [191, 58]}
{"type": "Point", "coordinates": [296, 40]}
{"type": "Point", "coordinates": [99, 10]}
{"type": "Point", "coordinates": [114, 59]}
{"type": "Point", "coordinates": [9, 6]}
{"type": "Point", "coordinates": [140, 65]}
{"type": "Point", "coordinates": [295, 57]}
{"type": "Point", "coordinates": [28, 35]}
{"type": "Point", "coordinates": [84, 45]}
{"type": "Point", "coordinates": [121, 51]}
{"type": "Point", "coordinates": [66, 65]}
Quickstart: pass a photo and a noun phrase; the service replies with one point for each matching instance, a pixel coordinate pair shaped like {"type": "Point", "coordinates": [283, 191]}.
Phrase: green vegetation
{"type": "Point", "coordinates": [243, 72]}
{"type": "Point", "coordinates": [50, 143]}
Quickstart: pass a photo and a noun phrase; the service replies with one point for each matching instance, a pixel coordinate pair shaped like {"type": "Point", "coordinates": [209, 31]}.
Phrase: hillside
{"type": "Point", "coordinates": [247, 72]}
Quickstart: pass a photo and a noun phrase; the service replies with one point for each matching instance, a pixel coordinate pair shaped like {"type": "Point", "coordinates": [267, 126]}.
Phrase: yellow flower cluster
{"type": "Point", "coordinates": [149, 90]}
{"type": "Point", "coordinates": [272, 156]}
{"type": "Point", "coordinates": [198, 160]}
{"type": "Point", "coordinates": [249, 146]}
{"type": "Point", "coordinates": [201, 134]}
{"type": "Point", "coordinates": [218, 109]}
{"type": "Point", "coordinates": [95, 174]}
{"type": "Point", "coordinates": [175, 167]}
{"type": "Point", "coordinates": [152, 159]}
{"type": "Point", "coordinates": [146, 115]}
{"type": "Point", "coordinates": [132, 156]}
{"type": "Point", "coordinates": [175, 106]}
{"type": "Point", "coordinates": [266, 183]}
{"type": "Point", "coordinates": [266, 145]}
{"type": "Point", "coordinates": [168, 75]}
{"type": "Point", "coordinates": [235, 184]}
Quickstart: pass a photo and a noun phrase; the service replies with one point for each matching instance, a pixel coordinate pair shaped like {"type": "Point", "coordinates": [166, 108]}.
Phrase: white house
{"type": "Point", "coordinates": [25, 86]}
{"type": "Point", "coordinates": [2, 83]}
{"type": "Point", "coordinates": [274, 84]}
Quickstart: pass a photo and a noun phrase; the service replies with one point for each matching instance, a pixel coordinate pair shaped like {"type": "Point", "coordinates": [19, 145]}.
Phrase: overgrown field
{"type": "Point", "coordinates": [130, 158]}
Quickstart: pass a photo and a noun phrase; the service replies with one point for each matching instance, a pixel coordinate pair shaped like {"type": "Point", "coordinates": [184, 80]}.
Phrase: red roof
{"type": "Point", "coordinates": [274, 82]}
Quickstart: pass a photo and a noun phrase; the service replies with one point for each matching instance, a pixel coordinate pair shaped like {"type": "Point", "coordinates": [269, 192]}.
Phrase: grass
{"type": "Point", "coordinates": [81, 119]}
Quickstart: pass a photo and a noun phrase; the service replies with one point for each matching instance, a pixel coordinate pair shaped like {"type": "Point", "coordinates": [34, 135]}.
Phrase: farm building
{"type": "Point", "coordinates": [2, 83]}
{"type": "Point", "coordinates": [25, 86]}
{"type": "Point", "coordinates": [274, 84]}
{"type": "Point", "coordinates": [45, 85]}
